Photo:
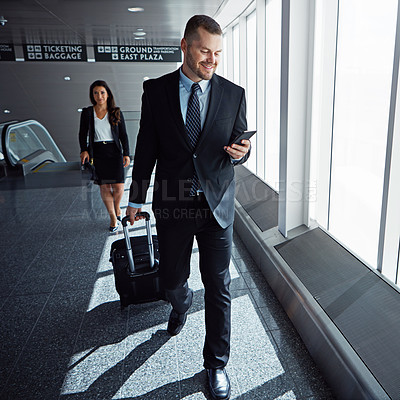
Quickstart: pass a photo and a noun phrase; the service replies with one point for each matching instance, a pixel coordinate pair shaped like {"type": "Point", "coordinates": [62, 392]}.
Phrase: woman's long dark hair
{"type": "Point", "coordinates": [114, 113]}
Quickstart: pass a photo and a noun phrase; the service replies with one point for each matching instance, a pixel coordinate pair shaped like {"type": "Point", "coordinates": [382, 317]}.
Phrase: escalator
{"type": "Point", "coordinates": [29, 157]}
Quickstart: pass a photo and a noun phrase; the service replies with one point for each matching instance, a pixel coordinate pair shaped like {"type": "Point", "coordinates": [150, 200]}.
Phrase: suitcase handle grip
{"type": "Point", "coordinates": [140, 214]}
{"type": "Point", "coordinates": [128, 242]}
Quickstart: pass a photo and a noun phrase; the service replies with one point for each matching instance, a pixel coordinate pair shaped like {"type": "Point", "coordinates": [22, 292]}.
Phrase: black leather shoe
{"type": "Point", "coordinates": [219, 384]}
{"type": "Point", "coordinates": [113, 228]}
{"type": "Point", "coordinates": [176, 322]}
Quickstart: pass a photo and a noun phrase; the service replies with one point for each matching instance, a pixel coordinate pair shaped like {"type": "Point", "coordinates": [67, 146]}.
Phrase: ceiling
{"type": "Point", "coordinates": [37, 90]}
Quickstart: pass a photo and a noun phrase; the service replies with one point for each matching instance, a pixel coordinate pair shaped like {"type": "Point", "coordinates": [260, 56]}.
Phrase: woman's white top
{"type": "Point", "coordinates": [102, 129]}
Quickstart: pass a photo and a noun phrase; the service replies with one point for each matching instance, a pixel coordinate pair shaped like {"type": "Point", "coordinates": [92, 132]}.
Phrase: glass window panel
{"type": "Point", "coordinates": [366, 33]}
{"type": "Point", "coordinates": [225, 56]}
{"type": "Point", "coordinates": [251, 88]}
{"type": "Point", "coordinates": [22, 142]}
{"type": "Point", "coordinates": [273, 12]}
{"type": "Point", "coordinates": [236, 52]}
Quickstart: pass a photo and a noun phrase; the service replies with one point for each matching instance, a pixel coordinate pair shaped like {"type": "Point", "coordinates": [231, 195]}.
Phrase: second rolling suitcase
{"type": "Point", "coordinates": [135, 265]}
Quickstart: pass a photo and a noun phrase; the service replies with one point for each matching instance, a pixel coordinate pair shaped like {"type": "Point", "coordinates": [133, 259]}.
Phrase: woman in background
{"type": "Point", "coordinates": [103, 140]}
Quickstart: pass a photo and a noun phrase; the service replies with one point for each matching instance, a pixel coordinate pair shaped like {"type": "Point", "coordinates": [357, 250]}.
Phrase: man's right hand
{"type": "Point", "coordinates": [131, 212]}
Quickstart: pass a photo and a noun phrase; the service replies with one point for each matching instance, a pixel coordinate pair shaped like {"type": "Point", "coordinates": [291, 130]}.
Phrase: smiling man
{"type": "Point", "coordinates": [189, 120]}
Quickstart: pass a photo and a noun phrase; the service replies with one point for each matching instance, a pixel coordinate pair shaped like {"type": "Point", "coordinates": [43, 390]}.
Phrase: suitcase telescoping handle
{"type": "Point", "coordinates": [128, 241]}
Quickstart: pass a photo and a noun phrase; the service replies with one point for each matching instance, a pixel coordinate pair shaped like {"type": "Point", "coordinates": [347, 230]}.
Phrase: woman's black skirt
{"type": "Point", "coordinates": [108, 163]}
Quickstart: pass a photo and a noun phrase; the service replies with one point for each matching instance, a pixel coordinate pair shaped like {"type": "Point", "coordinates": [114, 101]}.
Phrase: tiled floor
{"type": "Point", "coordinates": [63, 335]}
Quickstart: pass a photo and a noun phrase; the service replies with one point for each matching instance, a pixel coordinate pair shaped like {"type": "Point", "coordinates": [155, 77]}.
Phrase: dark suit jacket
{"type": "Point", "coordinates": [162, 139]}
{"type": "Point", "coordinates": [87, 127]}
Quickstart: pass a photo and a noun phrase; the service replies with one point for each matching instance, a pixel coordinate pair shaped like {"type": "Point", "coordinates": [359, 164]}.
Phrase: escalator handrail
{"type": "Point", "coordinates": [18, 124]}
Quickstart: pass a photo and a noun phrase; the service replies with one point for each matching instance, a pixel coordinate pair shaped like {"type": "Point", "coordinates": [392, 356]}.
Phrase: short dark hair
{"type": "Point", "coordinates": [204, 21]}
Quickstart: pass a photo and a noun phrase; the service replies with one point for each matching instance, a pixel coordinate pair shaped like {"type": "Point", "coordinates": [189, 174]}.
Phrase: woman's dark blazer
{"type": "Point", "coordinates": [87, 125]}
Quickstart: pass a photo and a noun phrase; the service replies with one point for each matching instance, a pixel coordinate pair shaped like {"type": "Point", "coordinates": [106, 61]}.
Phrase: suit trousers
{"type": "Point", "coordinates": [176, 229]}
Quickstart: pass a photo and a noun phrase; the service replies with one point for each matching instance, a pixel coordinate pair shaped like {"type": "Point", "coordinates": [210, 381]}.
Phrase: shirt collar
{"type": "Point", "coordinates": [187, 83]}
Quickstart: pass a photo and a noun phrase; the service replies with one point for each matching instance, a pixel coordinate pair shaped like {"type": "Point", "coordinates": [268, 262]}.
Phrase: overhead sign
{"type": "Point", "coordinates": [7, 52]}
{"type": "Point", "coordinates": [55, 52]}
{"type": "Point", "coordinates": [138, 53]}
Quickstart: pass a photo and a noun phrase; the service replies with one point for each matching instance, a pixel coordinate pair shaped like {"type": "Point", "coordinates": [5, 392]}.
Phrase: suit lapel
{"type": "Point", "coordinates": [216, 94]}
{"type": "Point", "coordinates": [172, 89]}
{"type": "Point", "coordinates": [91, 125]}
{"type": "Point", "coordinates": [217, 91]}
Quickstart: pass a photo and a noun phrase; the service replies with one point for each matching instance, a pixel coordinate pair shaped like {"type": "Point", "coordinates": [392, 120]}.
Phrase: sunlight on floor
{"type": "Point", "coordinates": [149, 360]}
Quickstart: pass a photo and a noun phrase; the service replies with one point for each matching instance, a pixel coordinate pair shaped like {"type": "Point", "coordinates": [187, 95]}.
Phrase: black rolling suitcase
{"type": "Point", "coordinates": [135, 265]}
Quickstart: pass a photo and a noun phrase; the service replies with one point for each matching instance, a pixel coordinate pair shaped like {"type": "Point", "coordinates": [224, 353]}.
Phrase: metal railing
{"type": "Point", "coordinates": [28, 143]}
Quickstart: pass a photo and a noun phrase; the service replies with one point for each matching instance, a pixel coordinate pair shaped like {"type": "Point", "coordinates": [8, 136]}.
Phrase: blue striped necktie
{"type": "Point", "coordinates": [193, 129]}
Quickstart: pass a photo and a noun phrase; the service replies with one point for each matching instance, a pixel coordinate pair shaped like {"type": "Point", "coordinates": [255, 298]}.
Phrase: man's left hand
{"type": "Point", "coordinates": [237, 151]}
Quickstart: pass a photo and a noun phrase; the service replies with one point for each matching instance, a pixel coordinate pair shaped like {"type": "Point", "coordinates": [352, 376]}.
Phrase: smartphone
{"type": "Point", "coordinates": [245, 135]}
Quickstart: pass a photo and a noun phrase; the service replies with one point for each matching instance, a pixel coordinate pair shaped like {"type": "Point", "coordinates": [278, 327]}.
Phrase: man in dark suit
{"type": "Point", "coordinates": [187, 131]}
